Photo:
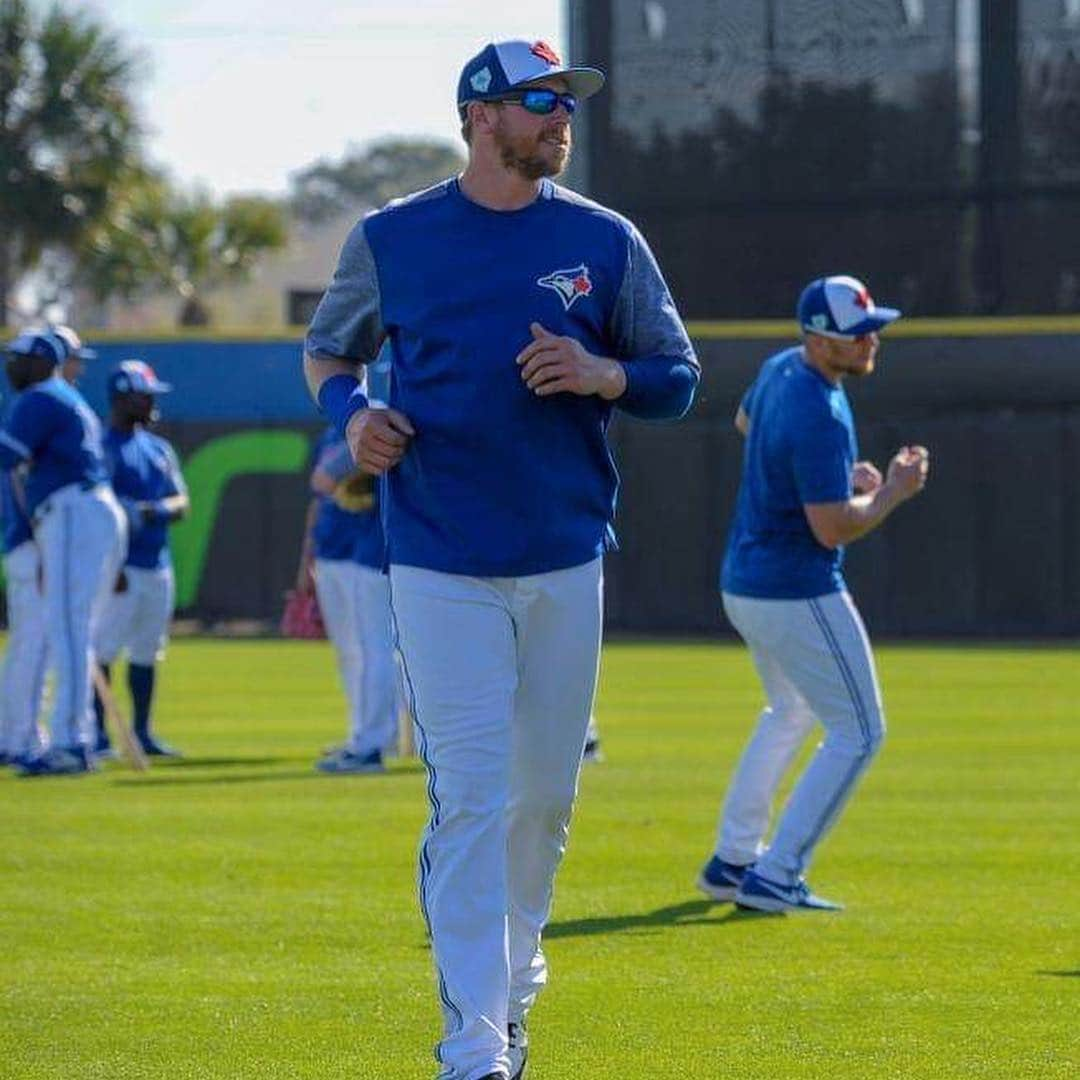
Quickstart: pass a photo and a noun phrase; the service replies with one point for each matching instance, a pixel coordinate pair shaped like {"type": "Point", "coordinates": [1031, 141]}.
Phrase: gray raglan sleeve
{"type": "Point", "coordinates": [347, 324]}
{"type": "Point", "coordinates": [662, 371]}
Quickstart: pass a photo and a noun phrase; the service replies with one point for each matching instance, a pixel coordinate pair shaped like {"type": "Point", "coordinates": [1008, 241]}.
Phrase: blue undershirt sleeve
{"type": "Point", "coordinates": [662, 372]}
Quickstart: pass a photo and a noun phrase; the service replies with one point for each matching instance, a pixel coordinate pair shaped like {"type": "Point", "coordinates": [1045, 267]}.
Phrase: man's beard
{"type": "Point", "coordinates": [523, 157]}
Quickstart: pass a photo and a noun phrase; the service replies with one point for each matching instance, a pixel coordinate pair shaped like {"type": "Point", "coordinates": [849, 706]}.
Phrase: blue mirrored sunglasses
{"type": "Point", "coordinates": [543, 102]}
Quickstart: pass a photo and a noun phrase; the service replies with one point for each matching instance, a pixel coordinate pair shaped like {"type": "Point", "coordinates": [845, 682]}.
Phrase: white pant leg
{"type": "Point", "coordinates": [822, 647]}
{"type": "Point", "coordinates": [781, 730]}
{"type": "Point", "coordinates": [23, 678]}
{"type": "Point", "coordinates": [154, 594]}
{"type": "Point", "coordinates": [375, 718]}
{"type": "Point", "coordinates": [335, 585]}
{"type": "Point", "coordinates": [113, 630]}
{"type": "Point", "coordinates": [459, 653]}
{"type": "Point", "coordinates": [558, 617]}
{"type": "Point", "coordinates": [82, 540]}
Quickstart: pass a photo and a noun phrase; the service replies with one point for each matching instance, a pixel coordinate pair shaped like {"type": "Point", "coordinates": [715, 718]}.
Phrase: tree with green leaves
{"type": "Point", "coordinates": [371, 175]}
{"type": "Point", "coordinates": [157, 237]}
{"type": "Point", "coordinates": [68, 130]}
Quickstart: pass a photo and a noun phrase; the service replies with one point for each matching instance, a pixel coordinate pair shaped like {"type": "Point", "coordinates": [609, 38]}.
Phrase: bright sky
{"type": "Point", "coordinates": [239, 93]}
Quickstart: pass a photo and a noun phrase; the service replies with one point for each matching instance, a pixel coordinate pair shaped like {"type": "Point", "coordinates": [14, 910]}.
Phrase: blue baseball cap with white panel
{"type": "Point", "coordinates": [504, 66]}
{"type": "Point", "coordinates": [135, 377]}
{"type": "Point", "coordinates": [74, 343]}
{"type": "Point", "coordinates": [841, 306]}
{"type": "Point", "coordinates": [39, 343]}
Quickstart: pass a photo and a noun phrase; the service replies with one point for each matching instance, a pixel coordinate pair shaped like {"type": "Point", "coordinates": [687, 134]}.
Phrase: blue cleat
{"type": "Point", "coordinates": [518, 1042]}
{"type": "Point", "coordinates": [346, 761]}
{"type": "Point", "coordinates": [152, 748]}
{"type": "Point", "coordinates": [720, 880]}
{"type": "Point", "coordinates": [760, 894]}
{"type": "Point", "coordinates": [59, 761]}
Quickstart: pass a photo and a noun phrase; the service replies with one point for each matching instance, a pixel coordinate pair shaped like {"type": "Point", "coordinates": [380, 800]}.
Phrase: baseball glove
{"type": "Point", "coordinates": [302, 617]}
{"type": "Point", "coordinates": [355, 493]}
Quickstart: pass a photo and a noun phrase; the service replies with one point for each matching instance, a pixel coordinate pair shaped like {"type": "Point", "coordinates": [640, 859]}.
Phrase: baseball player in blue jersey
{"type": "Point", "coordinates": [354, 599]}
{"type": "Point", "coordinates": [145, 475]}
{"type": "Point", "coordinates": [804, 495]}
{"type": "Point", "coordinates": [25, 658]}
{"type": "Point", "coordinates": [78, 526]}
{"type": "Point", "coordinates": [519, 316]}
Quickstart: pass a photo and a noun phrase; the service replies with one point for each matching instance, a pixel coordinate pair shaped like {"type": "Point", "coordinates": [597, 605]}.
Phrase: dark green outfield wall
{"type": "Point", "coordinates": [991, 548]}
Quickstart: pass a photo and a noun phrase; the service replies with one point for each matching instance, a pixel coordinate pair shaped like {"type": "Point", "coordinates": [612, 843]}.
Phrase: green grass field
{"type": "Point", "coordinates": [238, 916]}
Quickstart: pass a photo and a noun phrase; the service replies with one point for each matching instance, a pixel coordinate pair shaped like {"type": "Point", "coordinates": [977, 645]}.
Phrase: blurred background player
{"type": "Point", "coordinates": [78, 526]}
{"type": "Point", "coordinates": [146, 478]}
{"type": "Point", "coordinates": [25, 659]}
{"type": "Point", "coordinates": [348, 551]}
{"type": "Point", "coordinates": [803, 496]}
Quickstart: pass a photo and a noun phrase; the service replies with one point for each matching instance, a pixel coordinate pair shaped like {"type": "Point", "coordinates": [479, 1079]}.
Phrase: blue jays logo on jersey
{"type": "Point", "coordinates": [571, 284]}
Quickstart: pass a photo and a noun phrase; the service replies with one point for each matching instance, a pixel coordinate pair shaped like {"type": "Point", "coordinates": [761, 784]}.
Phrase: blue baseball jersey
{"type": "Point", "coordinates": [16, 521]}
{"type": "Point", "coordinates": [800, 448]}
{"type": "Point", "coordinates": [53, 430]}
{"type": "Point", "coordinates": [144, 468]}
{"type": "Point", "coordinates": [355, 535]}
{"type": "Point", "coordinates": [498, 481]}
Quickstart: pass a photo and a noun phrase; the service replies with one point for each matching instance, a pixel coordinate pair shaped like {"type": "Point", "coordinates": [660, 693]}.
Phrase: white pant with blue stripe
{"type": "Point", "coordinates": [82, 535]}
{"type": "Point", "coordinates": [502, 673]}
{"type": "Point", "coordinates": [814, 660]}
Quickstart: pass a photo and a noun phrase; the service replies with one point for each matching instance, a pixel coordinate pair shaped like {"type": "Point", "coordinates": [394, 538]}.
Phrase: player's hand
{"type": "Point", "coordinates": [378, 439]}
{"type": "Point", "coordinates": [865, 478]}
{"type": "Point", "coordinates": [551, 364]}
{"type": "Point", "coordinates": [908, 470]}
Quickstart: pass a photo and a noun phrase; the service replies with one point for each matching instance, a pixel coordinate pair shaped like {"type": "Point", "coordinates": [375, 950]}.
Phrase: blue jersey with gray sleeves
{"type": "Point", "coordinates": [800, 448]}
{"type": "Point", "coordinates": [144, 468]}
{"type": "Point", "coordinates": [53, 429]}
{"type": "Point", "coordinates": [498, 481]}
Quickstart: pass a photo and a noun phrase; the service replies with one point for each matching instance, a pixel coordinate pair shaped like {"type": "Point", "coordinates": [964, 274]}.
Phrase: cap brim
{"type": "Point", "coordinates": [582, 82]}
{"type": "Point", "coordinates": [160, 388]}
{"type": "Point", "coordinates": [87, 354]}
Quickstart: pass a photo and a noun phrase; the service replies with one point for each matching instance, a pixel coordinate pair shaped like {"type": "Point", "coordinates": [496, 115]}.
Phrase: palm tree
{"type": "Point", "coordinates": [68, 131]}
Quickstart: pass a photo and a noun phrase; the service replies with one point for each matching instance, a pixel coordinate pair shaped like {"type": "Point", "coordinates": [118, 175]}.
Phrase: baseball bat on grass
{"type": "Point", "coordinates": [129, 746]}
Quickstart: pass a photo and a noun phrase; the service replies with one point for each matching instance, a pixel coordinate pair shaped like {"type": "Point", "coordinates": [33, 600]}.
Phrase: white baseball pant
{"type": "Point", "coordinates": [137, 619]}
{"type": "Point", "coordinates": [355, 605]}
{"type": "Point", "coordinates": [501, 673]}
{"type": "Point", "coordinates": [82, 534]}
{"type": "Point", "coordinates": [815, 664]}
{"type": "Point", "coordinates": [23, 679]}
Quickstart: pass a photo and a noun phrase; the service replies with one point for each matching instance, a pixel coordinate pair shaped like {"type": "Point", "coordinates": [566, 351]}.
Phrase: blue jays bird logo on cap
{"type": "Point", "coordinates": [571, 284]}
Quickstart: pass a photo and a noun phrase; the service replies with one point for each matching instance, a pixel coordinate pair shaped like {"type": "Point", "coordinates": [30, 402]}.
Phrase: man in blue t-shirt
{"type": "Point", "coordinates": [804, 495]}
{"type": "Point", "coordinates": [25, 657]}
{"type": "Point", "coordinates": [145, 475]}
{"type": "Point", "coordinates": [78, 526]}
{"type": "Point", "coordinates": [519, 316]}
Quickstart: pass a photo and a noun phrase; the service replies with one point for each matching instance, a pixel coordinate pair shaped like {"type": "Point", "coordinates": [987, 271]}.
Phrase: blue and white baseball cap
{"type": "Point", "coordinates": [74, 343]}
{"type": "Point", "coordinates": [39, 343]}
{"type": "Point", "coordinates": [135, 377]}
{"type": "Point", "coordinates": [841, 307]}
{"type": "Point", "coordinates": [509, 65]}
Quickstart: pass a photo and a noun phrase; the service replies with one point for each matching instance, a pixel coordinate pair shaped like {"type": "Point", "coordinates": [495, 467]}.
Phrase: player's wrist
{"type": "Point", "coordinates": [612, 380]}
{"type": "Point", "coordinates": [340, 399]}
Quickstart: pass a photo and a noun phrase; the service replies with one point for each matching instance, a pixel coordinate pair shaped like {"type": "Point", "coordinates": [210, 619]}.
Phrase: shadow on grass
{"type": "Point", "coordinates": [1061, 974]}
{"type": "Point", "coordinates": [214, 762]}
{"type": "Point", "coordinates": [309, 774]}
{"type": "Point", "coordinates": [690, 913]}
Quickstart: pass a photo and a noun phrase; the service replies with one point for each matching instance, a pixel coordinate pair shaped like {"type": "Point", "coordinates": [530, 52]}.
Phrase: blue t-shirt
{"type": "Point", "coordinates": [144, 468]}
{"type": "Point", "coordinates": [17, 528]}
{"type": "Point", "coordinates": [346, 534]}
{"type": "Point", "coordinates": [53, 429]}
{"type": "Point", "coordinates": [800, 449]}
{"type": "Point", "coordinates": [16, 523]}
{"type": "Point", "coordinates": [498, 481]}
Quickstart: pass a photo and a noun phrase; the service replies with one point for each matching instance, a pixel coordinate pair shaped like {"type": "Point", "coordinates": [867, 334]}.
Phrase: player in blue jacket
{"type": "Point", "coordinates": [803, 496]}
{"type": "Point", "coordinates": [519, 316]}
{"type": "Point", "coordinates": [25, 658]}
{"type": "Point", "coordinates": [79, 528]}
{"type": "Point", "coordinates": [146, 478]}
